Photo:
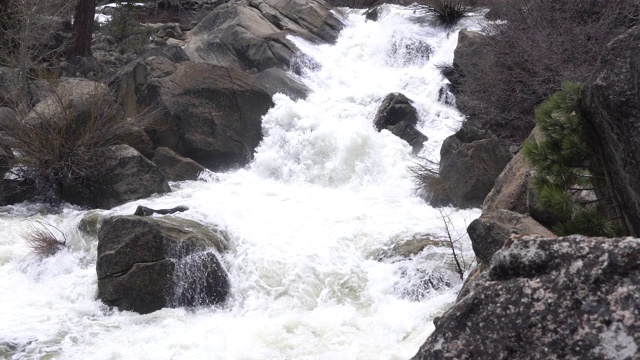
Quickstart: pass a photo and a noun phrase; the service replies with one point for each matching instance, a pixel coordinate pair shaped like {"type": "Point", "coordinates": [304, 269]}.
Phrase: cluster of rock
{"type": "Point", "coordinates": [534, 295]}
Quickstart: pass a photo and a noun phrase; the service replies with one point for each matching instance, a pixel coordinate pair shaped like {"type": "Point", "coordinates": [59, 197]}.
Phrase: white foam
{"type": "Point", "coordinates": [325, 194]}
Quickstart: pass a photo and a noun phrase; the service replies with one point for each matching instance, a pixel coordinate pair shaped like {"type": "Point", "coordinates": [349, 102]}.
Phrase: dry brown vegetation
{"type": "Point", "coordinates": [42, 241]}
{"type": "Point", "coordinates": [56, 146]}
{"type": "Point", "coordinates": [539, 45]}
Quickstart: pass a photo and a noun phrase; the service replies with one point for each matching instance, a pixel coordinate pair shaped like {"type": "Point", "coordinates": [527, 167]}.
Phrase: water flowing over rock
{"type": "Point", "coordinates": [212, 114]}
{"type": "Point", "coordinates": [251, 34]}
{"type": "Point", "coordinates": [572, 297]}
{"type": "Point", "coordinates": [399, 116]}
{"type": "Point", "coordinates": [611, 101]}
{"type": "Point", "coordinates": [125, 175]}
{"type": "Point", "coordinates": [147, 263]}
{"type": "Point", "coordinates": [470, 161]}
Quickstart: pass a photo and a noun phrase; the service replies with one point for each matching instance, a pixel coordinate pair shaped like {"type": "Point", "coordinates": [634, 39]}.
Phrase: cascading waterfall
{"type": "Point", "coordinates": [310, 222]}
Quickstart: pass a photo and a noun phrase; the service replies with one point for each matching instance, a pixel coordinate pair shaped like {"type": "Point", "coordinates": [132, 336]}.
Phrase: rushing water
{"type": "Point", "coordinates": [325, 196]}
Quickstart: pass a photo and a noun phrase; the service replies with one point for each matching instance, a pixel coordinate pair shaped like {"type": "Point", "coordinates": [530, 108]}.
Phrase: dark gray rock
{"type": "Point", "coordinates": [146, 263]}
{"type": "Point", "coordinates": [251, 34]}
{"type": "Point", "coordinates": [212, 114]}
{"type": "Point", "coordinates": [372, 14]}
{"type": "Point", "coordinates": [470, 161]}
{"type": "Point", "coordinates": [125, 175]}
{"type": "Point", "coordinates": [128, 82]}
{"type": "Point", "coordinates": [473, 56]}
{"type": "Point", "coordinates": [611, 102]}
{"type": "Point", "coordinates": [566, 298]}
{"type": "Point", "coordinates": [147, 211]}
{"type": "Point", "coordinates": [398, 115]}
{"type": "Point", "coordinates": [275, 80]}
{"type": "Point", "coordinates": [491, 230]}
{"type": "Point", "coordinates": [176, 167]}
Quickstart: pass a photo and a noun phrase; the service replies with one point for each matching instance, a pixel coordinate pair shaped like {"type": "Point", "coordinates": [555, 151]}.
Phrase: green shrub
{"type": "Point", "coordinates": [569, 180]}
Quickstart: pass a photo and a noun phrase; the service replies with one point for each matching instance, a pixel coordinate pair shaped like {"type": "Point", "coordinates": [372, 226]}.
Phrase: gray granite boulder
{"type": "Point", "coordinates": [492, 230]}
{"type": "Point", "coordinates": [565, 298]}
{"type": "Point", "coordinates": [470, 161]}
{"type": "Point", "coordinates": [211, 114]}
{"type": "Point", "coordinates": [252, 34]}
{"type": "Point", "coordinates": [124, 175]}
{"type": "Point", "coordinates": [147, 263]}
{"type": "Point", "coordinates": [176, 167]}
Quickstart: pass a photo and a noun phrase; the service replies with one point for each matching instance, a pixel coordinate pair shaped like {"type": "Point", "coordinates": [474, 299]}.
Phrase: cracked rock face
{"type": "Point", "coordinates": [212, 114]}
{"type": "Point", "coordinates": [251, 34]}
{"type": "Point", "coordinates": [567, 298]}
{"type": "Point", "coordinates": [147, 263]}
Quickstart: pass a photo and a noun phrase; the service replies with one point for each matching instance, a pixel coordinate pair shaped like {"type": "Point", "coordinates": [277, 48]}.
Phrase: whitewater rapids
{"type": "Point", "coordinates": [325, 195]}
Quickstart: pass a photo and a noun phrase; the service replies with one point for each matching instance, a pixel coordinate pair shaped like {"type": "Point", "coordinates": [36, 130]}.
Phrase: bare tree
{"type": "Point", "coordinates": [26, 32]}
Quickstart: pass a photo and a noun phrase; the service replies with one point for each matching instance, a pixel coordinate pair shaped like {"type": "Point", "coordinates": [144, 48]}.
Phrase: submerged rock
{"type": "Point", "coordinates": [572, 297]}
{"type": "Point", "coordinates": [145, 264]}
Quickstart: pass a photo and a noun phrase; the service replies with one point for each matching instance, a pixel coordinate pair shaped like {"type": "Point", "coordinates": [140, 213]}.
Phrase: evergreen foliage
{"type": "Point", "coordinates": [568, 176]}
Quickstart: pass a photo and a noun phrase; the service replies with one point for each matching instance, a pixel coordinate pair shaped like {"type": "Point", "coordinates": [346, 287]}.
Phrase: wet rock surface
{"type": "Point", "coordinates": [571, 297]}
{"type": "Point", "coordinates": [398, 115]}
{"type": "Point", "coordinates": [147, 263]}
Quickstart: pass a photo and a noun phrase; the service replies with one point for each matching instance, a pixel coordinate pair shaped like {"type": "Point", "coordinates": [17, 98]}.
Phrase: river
{"type": "Point", "coordinates": [325, 195]}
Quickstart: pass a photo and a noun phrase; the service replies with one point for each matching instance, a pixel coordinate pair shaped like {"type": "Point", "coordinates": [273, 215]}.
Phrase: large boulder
{"type": "Point", "coordinates": [611, 102]}
{"type": "Point", "coordinates": [398, 115]}
{"type": "Point", "coordinates": [176, 167]}
{"type": "Point", "coordinates": [276, 80]}
{"type": "Point", "coordinates": [493, 229]}
{"type": "Point", "coordinates": [155, 63]}
{"type": "Point", "coordinates": [470, 161]}
{"type": "Point", "coordinates": [148, 263]}
{"type": "Point", "coordinates": [212, 114]}
{"type": "Point", "coordinates": [251, 34]}
{"type": "Point", "coordinates": [124, 175]}
{"type": "Point", "coordinates": [566, 298]}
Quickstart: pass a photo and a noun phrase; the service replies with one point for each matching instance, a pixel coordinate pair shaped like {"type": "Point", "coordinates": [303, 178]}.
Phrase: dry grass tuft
{"type": "Point", "coordinates": [42, 241]}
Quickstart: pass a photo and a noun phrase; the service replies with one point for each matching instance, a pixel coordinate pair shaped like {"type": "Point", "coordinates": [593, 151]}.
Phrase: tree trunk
{"type": "Point", "coordinates": [85, 12]}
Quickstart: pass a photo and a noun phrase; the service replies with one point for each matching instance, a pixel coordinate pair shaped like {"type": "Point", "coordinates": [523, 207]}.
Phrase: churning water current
{"type": "Point", "coordinates": [308, 220]}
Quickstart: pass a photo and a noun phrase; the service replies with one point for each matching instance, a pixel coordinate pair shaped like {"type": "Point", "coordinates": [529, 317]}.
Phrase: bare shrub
{"type": "Point", "coordinates": [539, 45]}
{"type": "Point", "coordinates": [428, 183]}
{"type": "Point", "coordinates": [42, 241]}
{"type": "Point", "coordinates": [29, 32]}
{"type": "Point", "coordinates": [56, 146]}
